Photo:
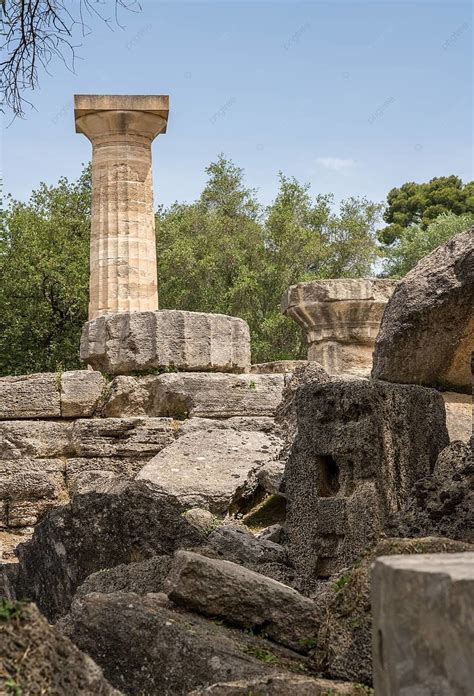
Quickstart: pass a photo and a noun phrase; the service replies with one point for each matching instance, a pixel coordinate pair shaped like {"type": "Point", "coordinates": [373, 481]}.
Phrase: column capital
{"type": "Point", "coordinates": [122, 116]}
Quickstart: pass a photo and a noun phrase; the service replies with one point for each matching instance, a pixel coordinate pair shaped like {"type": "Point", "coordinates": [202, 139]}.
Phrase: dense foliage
{"type": "Point", "coordinates": [421, 204]}
{"type": "Point", "coordinates": [222, 253]}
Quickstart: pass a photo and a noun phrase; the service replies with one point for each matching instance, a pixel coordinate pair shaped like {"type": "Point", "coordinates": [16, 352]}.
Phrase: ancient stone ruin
{"type": "Point", "coordinates": [182, 522]}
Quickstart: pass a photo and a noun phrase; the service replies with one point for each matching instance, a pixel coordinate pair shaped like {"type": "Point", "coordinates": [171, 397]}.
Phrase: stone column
{"type": "Point", "coordinates": [123, 275]}
{"type": "Point", "coordinates": [341, 319]}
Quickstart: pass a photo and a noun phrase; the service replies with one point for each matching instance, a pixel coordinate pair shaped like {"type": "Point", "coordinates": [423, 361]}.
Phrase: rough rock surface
{"type": "Point", "coordinates": [441, 504]}
{"type": "Point", "coordinates": [142, 341]}
{"type": "Point", "coordinates": [276, 367]}
{"type": "Point", "coordinates": [423, 629]}
{"type": "Point", "coordinates": [8, 574]}
{"type": "Point", "coordinates": [360, 448]}
{"type": "Point", "coordinates": [282, 685]}
{"type": "Point", "coordinates": [36, 659]}
{"type": "Point", "coordinates": [243, 598]}
{"type": "Point", "coordinates": [211, 469]}
{"type": "Point", "coordinates": [427, 331]}
{"type": "Point", "coordinates": [344, 649]}
{"type": "Point", "coordinates": [141, 578]}
{"type": "Point", "coordinates": [183, 395]}
{"type": "Point", "coordinates": [145, 646]}
{"type": "Point", "coordinates": [30, 396]}
{"type": "Point", "coordinates": [119, 522]}
{"type": "Point", "coordinates": [81, 391]}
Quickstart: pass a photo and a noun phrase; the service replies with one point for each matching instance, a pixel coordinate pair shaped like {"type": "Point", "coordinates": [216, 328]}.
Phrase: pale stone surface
{"type": "Point", "coordinates": [211, 468]}
{"type": "Point", "coordinates": [123, 252]}
{"type": "Point", "coordinates": [458, 415]}
{"type": "Point", "coordinates": [427, 333]}
{"type": "Point", "coordinates": [281, 685]}
{"type": "Point", "coordinates": [30, 396]}
{"type": "Point", "coordinates": [341, 318]}
{"type": "Point", "coordinates": [423, 634]}
{"type": "Point", "coordinates": [242, 597]}
{"type": "Point", "coordinates": [35, 439]}
{"type": "Point", "coordinates": [81, 391]}
{"type": "Point", "coordinates": [145, 341]}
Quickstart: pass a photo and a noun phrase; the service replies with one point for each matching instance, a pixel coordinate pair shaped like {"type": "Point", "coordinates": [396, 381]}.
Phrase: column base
{"type": "Point", "coordinates": [125, 343]}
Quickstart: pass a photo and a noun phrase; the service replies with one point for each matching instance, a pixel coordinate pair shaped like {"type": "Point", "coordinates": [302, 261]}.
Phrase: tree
{"type": "Point", "coordinates": [415, 242]}
{"type": "Point", "coordinates": [35, 32]}
{"type": "Point", "coordinates": [225, 254]}
{"type": "Point", "coordinates": [44, 271]}
{"type": "Point", "coordinates": [420, 204]}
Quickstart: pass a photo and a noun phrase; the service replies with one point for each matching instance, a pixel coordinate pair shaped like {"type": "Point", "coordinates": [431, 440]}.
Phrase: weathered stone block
{"type": "Point", "coordinates": [359, 449]}
{"type": "Point", "coordinates": [211, 468]}
{"type": "Point", "coordinates": [423, 634]}
{"type": "Point", "coordinates": [30, 396]}
{"type": "Point", "coordinates": [143, 341]}
{"type": "Point", "coordinates": [35, 439]}
{"type": "Point", "coordinates": [341, 318]}
{"type": "Point", "coordinates": [81, 391]}
{"type": "Point", "coordinates": [277, 367]}
{"type": "Point", "coordinates": [121, 437]}
{"type": "Point", "coordinates": [427, 332]}
{"type": "Point", "coordinates": [242, 597]}
{"type": "Point", "coordinates": [458, 415]}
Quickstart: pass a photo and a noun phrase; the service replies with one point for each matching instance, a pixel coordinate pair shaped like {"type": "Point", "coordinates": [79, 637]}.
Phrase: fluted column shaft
{"type": "Point", "coordinates": [123, 275]}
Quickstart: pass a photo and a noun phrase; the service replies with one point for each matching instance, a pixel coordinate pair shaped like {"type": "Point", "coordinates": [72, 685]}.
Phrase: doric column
{"type": "Point", "coordinates": [341, 319]}
{"type": "Point", "coordinates": [121, 129]}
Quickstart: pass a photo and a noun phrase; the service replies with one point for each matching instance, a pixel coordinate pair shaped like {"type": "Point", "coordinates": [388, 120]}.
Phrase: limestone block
{"type": "Point", "coordinates": [341, 318]}
{"type": "Point", "coordinates": [281, 685]}
{"type": "Point", "coordinates": [35, 439]}
{"type": "Point", "coordinates": [143, 341]}
{"type": "Point", "coordinates": [458, 415]}
{"type": "Point", "coordinates": [28, 487]}
{"type": "Point", "coordinates": [81, 391]}
{"type": "Point", "coordinates": [240, 596]}
{"type": "Point", "coordinates": [211, 468]}
{"type": "Point", "coordinates": [195, 394]}
{"type": "Point", "coordinates": [423, 634]}
{"type": "Point", "coordinates": [427, 333]}
{"type": "Point", "coordinates": [121, 437]}
{"type": "Point", "coordinates": [359, 449]}
{"type": "Point", "coordinates": [277, 366]}
{"type": "Point", "coordinates": [30, 396]}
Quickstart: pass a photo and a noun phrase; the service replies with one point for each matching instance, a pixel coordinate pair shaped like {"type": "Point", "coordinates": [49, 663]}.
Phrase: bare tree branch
{"type": "Point", "coordinates": [33, 33]}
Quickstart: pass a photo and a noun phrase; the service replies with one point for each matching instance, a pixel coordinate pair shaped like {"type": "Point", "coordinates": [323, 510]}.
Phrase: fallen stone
{"type": "Point", "coordinates": [243, 598]}
{"type": "Point", "coordinates": [344, 649]}
{"type": "Point", "coordinates": [274, 533]}
{"type": "Point", "coordinates": [270, 476]}
{"type": "Point", "coordinates": [458, 416]}
{"type": "Point", "coordinates": [341, 318]}
{"type": "Point", "coordinates": [427, 332]}
{"type": "Point", "coordinates": [30, 396]}
{"type": "Point", "coordinates": [360, 448]}
{"type": "Point", "coordinates": [142, 341]}
{"type": "Point", "coordinates": [140, 643]}
{"type": "Point", "coordinates": [441, 504]}
{"type": "Point", "coordinates": [237, 544]}
{"type": "Point", "coordinates": [423, 634]}
{"type": "Point", "coordinates": [276, 367]}
{"type": "Point", "coordinates": [81, 391]}
{"type": "Point", "coordinates": [211, 468]}
{"type": "Point", "coordinates": [195, 394]}
{"type": "Point", "coordinates": [141, 578]}
{"type": "Point", "coordinates": [119, 522]}
{"type": "Point", "coordinates": [282, 685]}
{"type": "Point", "coordinates": [29, 487]}
{"type": "Point", "coordinates": [203, 520]}
{"type": "Point", "coordinates": [36, 659]}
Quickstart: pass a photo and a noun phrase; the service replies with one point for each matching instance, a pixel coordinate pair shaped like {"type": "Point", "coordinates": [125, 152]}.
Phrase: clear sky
{"type": "Point", "coordinates": [353, 97]}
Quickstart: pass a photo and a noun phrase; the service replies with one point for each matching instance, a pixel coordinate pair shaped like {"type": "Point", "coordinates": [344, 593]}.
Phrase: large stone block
{"type": "Point", "coordinates": [195, 394]}
{"type": "Point", "coordinates": [423, 634]}
{"type": "Point", "coordinates": [211, 469]}
{"type": "Point", "coordinates": [35, 439]}
{"type": "Point", "coordinates": [142, 341]}
{"type": "Point", "coordinates": [30, 396]}
{"type": "Point", "coordinates": [341, 319]}
{"type": "Point", "coordinates": [427, 332]}
{"type": "Point", "coordinates": [359, 449]}
{"type": "Point", "coordinates": [81, 391]}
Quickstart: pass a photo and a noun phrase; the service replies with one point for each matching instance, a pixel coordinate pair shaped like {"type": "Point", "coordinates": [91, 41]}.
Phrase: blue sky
{"type": "Point", "coordinates": [353, 97]}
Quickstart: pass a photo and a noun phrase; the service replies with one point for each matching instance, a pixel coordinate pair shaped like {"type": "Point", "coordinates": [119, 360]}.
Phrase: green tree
{"type": "Point", "coordinates": [416, 242]}
{"type": "Point", "coordinates": [44, 271]}
{"type": "Point", "coordinates": [420, 204]}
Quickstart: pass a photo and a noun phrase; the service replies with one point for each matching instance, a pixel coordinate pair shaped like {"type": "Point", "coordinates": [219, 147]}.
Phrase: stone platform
{"type": "Point", "coordinates": [125, 343]}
